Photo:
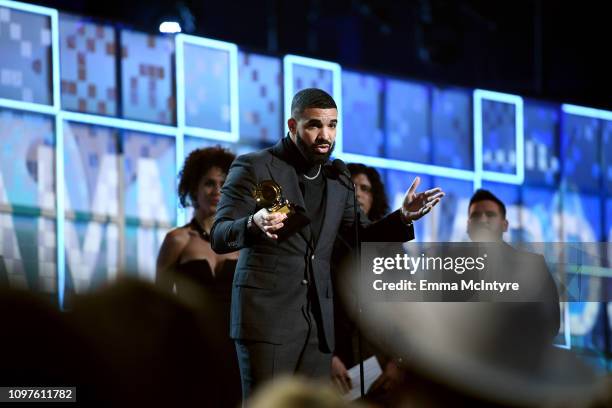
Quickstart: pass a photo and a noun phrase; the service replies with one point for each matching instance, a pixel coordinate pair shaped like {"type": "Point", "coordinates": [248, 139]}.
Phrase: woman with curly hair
{"type": "Point", "coordinates": [186, 262]}
{"type": "Point", "coordinates": [186, 251]}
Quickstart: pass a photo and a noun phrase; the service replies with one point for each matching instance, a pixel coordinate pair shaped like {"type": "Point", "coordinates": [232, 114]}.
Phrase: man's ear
{"type": "Point", "coordinates": [292, 124]}
{"type": "Point", "coordinates": [505, 223]}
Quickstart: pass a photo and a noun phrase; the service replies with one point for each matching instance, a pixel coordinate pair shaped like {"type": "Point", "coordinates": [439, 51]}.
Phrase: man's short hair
{"type": "Point", "coordinates": [311, 98]}
{"type": "Point", "coordinates": [486, 195]}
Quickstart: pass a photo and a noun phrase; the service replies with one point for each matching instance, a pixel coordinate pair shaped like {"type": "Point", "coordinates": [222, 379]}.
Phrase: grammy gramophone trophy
{"type": "Point", "coordinates": [269, 195]}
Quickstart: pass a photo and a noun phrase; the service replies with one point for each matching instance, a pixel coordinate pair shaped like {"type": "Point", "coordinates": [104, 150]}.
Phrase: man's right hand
{"type": "Point", "coordinates": [269, 222]}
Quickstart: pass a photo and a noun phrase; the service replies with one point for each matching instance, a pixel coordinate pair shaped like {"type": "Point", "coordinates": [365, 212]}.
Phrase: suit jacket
{"type": "Point", "coordinates": [540, 309]}
{"type": "Point", "coordinates": [533, 308]}
{"type": "Point", "coordinates": [272, 278]}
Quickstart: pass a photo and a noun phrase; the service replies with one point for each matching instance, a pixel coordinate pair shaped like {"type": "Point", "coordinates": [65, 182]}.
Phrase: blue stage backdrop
{"type": "Point", "coordinates": [95, 123]}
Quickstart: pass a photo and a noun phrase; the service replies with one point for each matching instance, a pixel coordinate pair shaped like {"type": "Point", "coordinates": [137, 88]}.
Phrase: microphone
{"type": "Point", "coordinates": [338, 168]}
{"type": "Point", "coordinates": [341, 168]}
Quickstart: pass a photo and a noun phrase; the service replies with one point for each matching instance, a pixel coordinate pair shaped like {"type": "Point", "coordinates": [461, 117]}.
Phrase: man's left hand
{"type": "Point", "coordinates": [416, 205]}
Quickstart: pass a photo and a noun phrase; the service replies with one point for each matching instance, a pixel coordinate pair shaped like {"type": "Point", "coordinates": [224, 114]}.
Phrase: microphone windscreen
{"type": "Point", "coordinates": [341, 168]}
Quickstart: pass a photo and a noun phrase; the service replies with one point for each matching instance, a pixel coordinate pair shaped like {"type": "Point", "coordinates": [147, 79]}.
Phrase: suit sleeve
{"type": "Point", "coordinates": [229, 232]}
{"type": "Point", "coordinates": [390, 228]}
{"type": "Point", "coordinates": [550, 299]}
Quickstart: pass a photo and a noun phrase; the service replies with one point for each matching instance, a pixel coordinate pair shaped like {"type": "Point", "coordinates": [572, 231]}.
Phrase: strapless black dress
{"type": "Point", "coordinates": [197, 275]}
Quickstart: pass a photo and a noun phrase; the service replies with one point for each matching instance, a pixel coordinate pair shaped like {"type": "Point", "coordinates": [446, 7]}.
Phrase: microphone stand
{"type": "Point", "coordinates": [342, 170]}
{"type": "Point", "coordinates": [358, 263]}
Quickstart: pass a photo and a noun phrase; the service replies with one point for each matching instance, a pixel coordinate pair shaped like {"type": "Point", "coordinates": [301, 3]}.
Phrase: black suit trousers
{"type": "Point", "coordinates": [306, 354]}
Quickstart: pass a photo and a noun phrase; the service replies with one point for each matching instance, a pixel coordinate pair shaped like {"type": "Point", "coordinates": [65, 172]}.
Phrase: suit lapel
{"type": "Point", "coordinates": [333, 190]}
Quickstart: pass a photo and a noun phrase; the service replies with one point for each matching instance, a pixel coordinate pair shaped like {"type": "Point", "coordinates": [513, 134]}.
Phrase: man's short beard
{"type": "Point", "coordinates": [309, 154]}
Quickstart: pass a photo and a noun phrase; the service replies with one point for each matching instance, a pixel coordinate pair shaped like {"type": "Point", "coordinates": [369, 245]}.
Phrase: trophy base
{"type": "Point", "coordinates": [296, 220]}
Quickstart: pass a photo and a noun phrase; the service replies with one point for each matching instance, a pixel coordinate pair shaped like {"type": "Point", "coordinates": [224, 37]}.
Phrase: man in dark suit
{"type": "Point", "coordinates": [540, 312]}
{"type": "Point", "coordinates": [282, 313]}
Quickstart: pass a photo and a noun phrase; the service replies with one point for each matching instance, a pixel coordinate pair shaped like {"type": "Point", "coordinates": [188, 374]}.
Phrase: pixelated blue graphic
{"type": "Point", "coordinates": [207, 90]}
{"type": "Point", "coordinates": [147, 77]}
{"type": "Point", "coordinates": [91, 255]}
{"type": "Point", "coordinates": [407, 122]}
{"type": "Point", "coordinates": [581, 216]}
{"type": "Point", "coordinates": [28, 252]}
{"type": "Point", "coordinates": [26, 74]}
{"type": "Point", "coordinates": [452, 211]}
{"type": "Point", "coordinates": [142, 246]}
{"type": "Point", "coordinates": [260, 84]}
{"type": "Point", "coordinates": [309, 77]}
{"type": "Point", "coordinates": [606, 148]}
{"type": "Point", "coordinates": [193, 143]}
{"type": "Point", "coordinates": [581, 222]}
{"type": "Point", "coordinates": [579, 150]}
{"type": "Point", "coordinates": [87, 73]}
{"type": "Point", "coordinates": [91, 162]}
{"type": "Point", "coordinates": [149, 177]}
{"type": "Point", "coordinates": [541, 158]}
{"type": "Point", "coordinates": [451, 114]}
{"type": "Point", "coordinates": [362, 98]}
{"type": "Point", "coordinates": [587, 321]}
{"type": "Point", "coordinates": [539, 207]}
{"type": "Point", "coordinates": [608, 209]}
{"type": "Point", "coordinates": [499, 136]}
{"type": "Point", "coordinates": [27, 160]}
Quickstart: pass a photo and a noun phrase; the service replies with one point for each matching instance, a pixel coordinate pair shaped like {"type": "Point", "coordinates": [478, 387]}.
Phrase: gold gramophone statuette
{"type": "Point", "coordinates": [269, 195]}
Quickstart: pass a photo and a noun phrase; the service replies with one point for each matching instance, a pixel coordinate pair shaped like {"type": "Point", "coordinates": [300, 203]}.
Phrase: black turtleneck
{"type": "Point", "coordinates": [313, 191]}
